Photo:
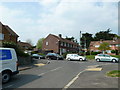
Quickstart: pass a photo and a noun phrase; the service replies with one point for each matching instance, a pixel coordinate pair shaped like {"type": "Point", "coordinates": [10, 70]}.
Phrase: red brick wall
{"type": "Point", "coordinates": [8, 37]}
{"type": "Point", "coordinates": [52, 44]}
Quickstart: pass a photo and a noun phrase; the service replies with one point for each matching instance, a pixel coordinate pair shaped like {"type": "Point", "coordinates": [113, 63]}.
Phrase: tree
{"type": "Point", "coordinates": [39, 43]}
{"type": "Point", "coordinates": [104, 35]}
{"type": "Point", "coordinates": [29, 41]}
{"type": "Point", "coordinates": [104, 46]}
{"type": "Point", "coordinates": [85, 40]}
{"type": "Point", "coordinates": [70, 38]}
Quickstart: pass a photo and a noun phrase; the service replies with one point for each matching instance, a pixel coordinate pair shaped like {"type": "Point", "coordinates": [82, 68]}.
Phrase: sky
{"type": "Point", "coordinates": [37, 19]}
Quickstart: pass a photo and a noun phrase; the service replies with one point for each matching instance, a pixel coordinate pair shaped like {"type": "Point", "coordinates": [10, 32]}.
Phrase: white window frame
{"type": "Point", "coordinates": [1, 36]}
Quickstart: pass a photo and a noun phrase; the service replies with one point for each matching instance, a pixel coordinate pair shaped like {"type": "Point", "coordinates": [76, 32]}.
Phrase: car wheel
{"type": "Point", "coordinates": [57, 58]}
{"type": "Point", "coordinates": [68, 59]}
{"type": "Point", "coordinates": [81, 59]}
{"type": "Point", "coordinates": [5, 77]}
{"type": "Point", "coordinates": [48, 58]}
{"type": "Point", "coordinates": [114, 60]}
{"type": "Point", "coordinates": [98, 60]}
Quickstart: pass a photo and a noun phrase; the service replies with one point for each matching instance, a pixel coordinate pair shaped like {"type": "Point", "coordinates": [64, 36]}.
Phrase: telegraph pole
{"type": "Point", "coordinates": [80, 42]}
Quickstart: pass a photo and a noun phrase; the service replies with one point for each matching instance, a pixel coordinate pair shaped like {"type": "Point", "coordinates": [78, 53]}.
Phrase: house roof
{"type": "Point", "coordinates": [7, 28]}
{"type": "Point", "coordinates": [10, 30]}
{"type": "Point", "coordinates": [111, 42]}
{"type": "Point", "coordinates": [24, 44]}
{"type": "Point", "coordinates": [64, 40]}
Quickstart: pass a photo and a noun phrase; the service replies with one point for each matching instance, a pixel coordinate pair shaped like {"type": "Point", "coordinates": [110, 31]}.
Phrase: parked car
{"type": "Point", "coordinates": [37, 56]}
{"type": "Point", "coordinates": [106, 57]}
{"type": "Point", "coordinates": [8, 64]}
{"type": "Point", "coordinates": [54, 56]}
{"type": "Point", "coordinates": [75, 57]}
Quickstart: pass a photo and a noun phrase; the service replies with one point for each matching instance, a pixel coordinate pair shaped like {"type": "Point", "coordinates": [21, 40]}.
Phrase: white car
{"type": "Point", "coordinates": [106, 57]}
{"type": "Point", "coordinates": [75, 57]}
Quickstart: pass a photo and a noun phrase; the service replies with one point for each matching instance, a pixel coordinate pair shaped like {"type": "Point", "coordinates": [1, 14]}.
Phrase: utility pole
{"type": "Point", "coordinates": [80, 43]}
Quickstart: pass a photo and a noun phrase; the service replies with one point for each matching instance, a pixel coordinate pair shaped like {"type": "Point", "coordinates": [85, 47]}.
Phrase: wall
{"type": "Point", "coordinates": [53, 44]}
{"type": "Point", "coordinates": [24, 60]}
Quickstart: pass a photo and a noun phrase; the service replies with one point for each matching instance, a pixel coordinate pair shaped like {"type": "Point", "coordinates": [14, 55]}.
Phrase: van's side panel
{"type": "Point", "coordinates": [8, 63]}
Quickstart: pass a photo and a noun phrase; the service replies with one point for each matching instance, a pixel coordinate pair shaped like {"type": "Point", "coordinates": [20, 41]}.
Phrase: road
{"type": "Point", "coordinates": [57, 74]}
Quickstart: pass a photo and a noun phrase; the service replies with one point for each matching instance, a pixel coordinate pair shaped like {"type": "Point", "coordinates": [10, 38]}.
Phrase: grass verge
{"type": "Point", "coordinates": [114, 73]}
{"type": "Point", "coordinates": [90, 57]}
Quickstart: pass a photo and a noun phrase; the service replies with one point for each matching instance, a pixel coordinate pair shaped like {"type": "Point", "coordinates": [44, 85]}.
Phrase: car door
{"type": "Point", "coordinates": [107, 58]}
{"type": "Point", "coordinates": [102, 57]}
{"type": "Point", "coordinates": [72, 57]}
{"type": "Point", "coordinates": [76, 57]}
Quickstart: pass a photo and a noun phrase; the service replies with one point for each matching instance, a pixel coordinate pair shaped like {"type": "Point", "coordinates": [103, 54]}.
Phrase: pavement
{"type": "Point", "coordinates": [97, 78]}
{"type": "Point", "coordinates": [37, 63]}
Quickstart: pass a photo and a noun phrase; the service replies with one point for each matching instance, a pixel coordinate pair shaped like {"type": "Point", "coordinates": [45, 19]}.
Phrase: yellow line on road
{"type": "Point", "coordinates": [94, 69]}
{"type": "Point", "coordinates": [39, 64]}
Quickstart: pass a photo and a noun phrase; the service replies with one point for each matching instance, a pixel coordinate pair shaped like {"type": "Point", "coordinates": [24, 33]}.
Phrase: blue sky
{"type": "Point", "coordinates": [34, 20]}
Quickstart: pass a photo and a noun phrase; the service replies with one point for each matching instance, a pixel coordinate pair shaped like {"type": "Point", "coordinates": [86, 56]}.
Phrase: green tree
{"type": "Point", "coordinates": [104, 35]}
{"type": "Point", "coordinates": [86, 39]}
{"type": "Point", "coordinates": [104, 46]}
{"type": "Point", "coordinates": [39, 43]}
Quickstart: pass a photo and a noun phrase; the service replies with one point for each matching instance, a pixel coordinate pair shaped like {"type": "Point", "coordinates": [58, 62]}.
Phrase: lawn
{"type": "Point", "coordinates": [114, 73]}
{"type": "Point", "coordinates": [117, 56]}
{"type": "Point", "coordinates": [90, 57]}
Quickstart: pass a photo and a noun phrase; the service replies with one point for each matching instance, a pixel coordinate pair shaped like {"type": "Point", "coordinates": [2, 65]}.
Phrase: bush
{"type": "Point", "coordinates": [33, 52]}
{"type": "Point", "coordinates": [95, 53]}
{"type": "Point", "coordinates": [113, 51]}
{"type": "Point", "coordinates": [16, 47]}
{"type": "Point", "coordinates": [41, 54]}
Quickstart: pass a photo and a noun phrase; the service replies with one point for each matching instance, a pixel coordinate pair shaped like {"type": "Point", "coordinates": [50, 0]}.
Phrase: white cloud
{"type": "Point", "coordinates": [62, 16]}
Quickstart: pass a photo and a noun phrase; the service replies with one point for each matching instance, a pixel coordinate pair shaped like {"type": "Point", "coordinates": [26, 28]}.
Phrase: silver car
{"type": "Point", "coordinates": [106, 57]}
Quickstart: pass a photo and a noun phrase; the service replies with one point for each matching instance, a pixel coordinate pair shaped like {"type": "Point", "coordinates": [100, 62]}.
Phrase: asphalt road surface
{"type": "Point", "coordinates": [57, 74]}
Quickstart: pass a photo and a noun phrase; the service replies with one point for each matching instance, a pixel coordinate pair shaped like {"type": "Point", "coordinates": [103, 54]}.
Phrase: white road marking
{"type": "Point", "coordinates": [9, 86]}
{"type": "Point", "coordinates": [56, 69]}
{"type": "Point", "coordinates": [73, 80]}
{"type": "Point", "coordinates": [50, 71]}
{"type": "Point", "coordinates": [41, 74]}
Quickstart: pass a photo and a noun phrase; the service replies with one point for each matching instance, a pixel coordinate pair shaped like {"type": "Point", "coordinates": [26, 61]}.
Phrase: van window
{"type": "Point", "coordinates": [5, 54]}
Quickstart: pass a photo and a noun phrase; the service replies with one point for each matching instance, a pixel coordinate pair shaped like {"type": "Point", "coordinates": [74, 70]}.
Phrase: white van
{"type": "Point", "coordinates": [8, 64]}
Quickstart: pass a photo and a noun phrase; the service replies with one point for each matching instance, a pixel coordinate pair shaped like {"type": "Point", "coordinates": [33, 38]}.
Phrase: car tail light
{"type": "Point", "coordinates": [17, 64]}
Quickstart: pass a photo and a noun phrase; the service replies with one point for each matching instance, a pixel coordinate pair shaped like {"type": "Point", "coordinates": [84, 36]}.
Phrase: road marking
{"type": "Point", "coordinates": [73, 80]}
{"type": "Point", "coordinates": [50, 71]}
{"type": "Point", "coordinates": [40, 64]}
{"type": "Point", "coordinates": [56, 69]}
{"type": "Point", "coordinates": [41, 74]}
{"type": "Point", "coordinates": [9, 86]}
{"type": "Point", "coordinates": [94, 69]}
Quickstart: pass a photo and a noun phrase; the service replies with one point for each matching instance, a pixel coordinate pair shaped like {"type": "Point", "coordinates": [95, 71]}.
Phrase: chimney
{"type": "Point", "coordinates": [60, 35]}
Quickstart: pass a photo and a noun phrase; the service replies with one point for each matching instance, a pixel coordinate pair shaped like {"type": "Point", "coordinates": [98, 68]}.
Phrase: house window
{"type": "Point", "coordinates": [46, 43]}
{"type": "Point", "coordinates": [1, 36]}
{"type": "Point", "coordinates": [61, 44]}
{"type": "Point", "coordinates": [65, 44]}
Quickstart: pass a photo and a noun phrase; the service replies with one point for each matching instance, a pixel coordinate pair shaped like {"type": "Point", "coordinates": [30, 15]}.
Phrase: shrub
{"type": "Point", "coordinates": [41, 54]}
{"type": "Point", "coordinates": [16, 47]}
{"type": "Point", "coordinates": [113, 51]}
{"type": "Point", "coordinates": [95, 53]}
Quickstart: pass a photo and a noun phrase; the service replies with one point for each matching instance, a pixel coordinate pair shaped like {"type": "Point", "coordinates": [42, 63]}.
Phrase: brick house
{"type": "Point", "coordinates": [24, 45]}
{"type": "Point", "coordinates": [59, 45]}
{"type": "Point", "coordinates": [7, 34]}
{"type": "Point", "coordinates": [114, 44]}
